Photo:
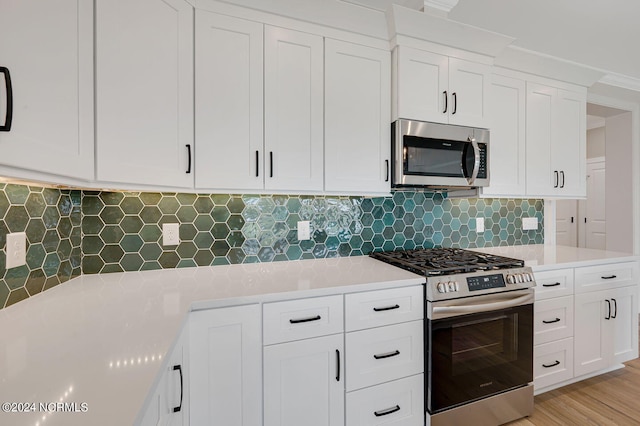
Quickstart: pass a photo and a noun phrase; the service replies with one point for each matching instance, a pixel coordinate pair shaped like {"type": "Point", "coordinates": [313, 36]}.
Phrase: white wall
{"type": "Point", "coordinates": [618, 183]}
{"type": "Point", "coordinates": [595, 142]}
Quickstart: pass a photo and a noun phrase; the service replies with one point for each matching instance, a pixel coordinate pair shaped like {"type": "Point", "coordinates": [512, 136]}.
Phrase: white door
{"type": "Point", "coordinates": [469, 84]}
{"type": "Point", "coordinates": [357, 86]}
{"type": "Point", "coordinates": [225, 365]}
{"type": "Point", "coordinates": [294, 104]}
{"type": "Point", "coordinates": [144, 92]}
{"type": "Point", "coordinates": [542, 180]}
{"type": "Point", "coordinates": [595, 206]}
{"type": "Point", "coordinates": [567, 223]}
{"type": "Point", "coordinates": [304, 382]}
{"type": "Point", "coordinates": [47, 48]}
{"type": "Point", "coordinates": [591, 340]}
{"type": "Point", "coordinates": [422, 83]}
{"type": "Point", "coordinates": [229, 103]}
{"type": "Point", "coordinates": [624, 334]}
{"type": "Point", "coordinates": [507, 156]}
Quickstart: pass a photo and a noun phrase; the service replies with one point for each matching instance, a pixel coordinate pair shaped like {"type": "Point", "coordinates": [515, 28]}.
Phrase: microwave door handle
{"type": "Point", "coordinates": [476, 162]}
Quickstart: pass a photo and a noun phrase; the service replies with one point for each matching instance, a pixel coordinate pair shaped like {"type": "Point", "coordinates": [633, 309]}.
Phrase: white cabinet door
{"type": "Point", "coordinates": [421, 85]}
{"type": "Point", "coordinates": [357, 118]}
{"type": "Point", "coordinates": [569, 146]}
{"type": "Point", "coordinates": [144, 92]}
{"type": "Point", "coordinates": [229, 102]}
{"type": "Point", "coordinates": [225, 364]}
{"type": "Point", "coordinates": [469, 84]}
{"type": "Point", "coordinates": [591, 333]}
{"type": "Point", "coordinates": [294, 117]}
{"type": "Point", "coordinates": [541, 179]}
{"type": "Point", "coordinates": [624, 335]}
{"type": "Point", "coordinates": [507, 156]}
{"type": "Point", "coordinates": [304, 382]}
{"type": "Point", "coordinates": [174, 397]}
{"type": "Point", "coordinates": [47, 49]}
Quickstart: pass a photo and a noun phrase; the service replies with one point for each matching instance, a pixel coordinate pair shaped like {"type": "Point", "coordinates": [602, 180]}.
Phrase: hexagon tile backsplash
{"type": "Point", "coordinates": [72, 231]}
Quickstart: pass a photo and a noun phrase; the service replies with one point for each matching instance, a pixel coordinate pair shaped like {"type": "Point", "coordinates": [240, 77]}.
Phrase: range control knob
{"type": "Point", "coordinates": [451, 286]}
{"type": "Point", "coordinates": [511, 279]}
{"type": "Point", "coordinates": [442, 288]}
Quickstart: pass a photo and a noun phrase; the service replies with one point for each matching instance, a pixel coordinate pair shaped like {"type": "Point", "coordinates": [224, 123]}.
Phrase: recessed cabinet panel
{"type": "Point", "coordinates": [229, 103]}
{"type": "Point", "coordinates": [144, 92]}
{"type": "Point", "coordinates": [357, 118]}
{"type": "Point", "coordinates": [47, 48]}
{"type": "Point", "coordinates": [294, 103]}
{"type": "Point", "coordinates": [469, 87]}
{"type": "Point", "coordinates": [569, 147]}
{"type": "Point", "coordinates": [540, 179]}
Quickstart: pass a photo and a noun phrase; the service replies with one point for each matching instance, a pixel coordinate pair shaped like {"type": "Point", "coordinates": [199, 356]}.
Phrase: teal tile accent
{"type": "Point", "coordinates": [73, 231]}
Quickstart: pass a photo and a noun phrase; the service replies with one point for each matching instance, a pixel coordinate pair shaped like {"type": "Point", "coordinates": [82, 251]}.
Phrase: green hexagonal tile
{"type": "Point", "coordinates": [186, 250]}
{"type": "Point", "coordinates": [150, 214]}
{"type": "Point", "coordinates": [169, 259]}
{"type": "Point", "coordinates": [204, 222]}
{"type": "Point", "coordinates": [186, 199]}
{"type": "Point", "coordinates": [111, 234]}
{"type": "Point", "coordinates": [150, 233]}
{"type": "Point", "coordinates": [131, 243]}
{"type": "Point", "coordinates": [203, 204]}
{"type": "Point", "coordinates": [131, 262]}
{"type": "Point", "coordinates": [92, 244]}
{"type": "Point", "coordinates": [150, 198]}
{"type": "Point", "coordinates": [131, 205]}
{"type": "Point", "coordinates": [150, 251]}
{"type": "Point", "coordinates": [111, 253]}
{"type": "Point", "coordinates": [168, 205]}
{"type": "Point", "coordinates": [131, 224]}
{"type": "Point", "coordinates": [203, 257]}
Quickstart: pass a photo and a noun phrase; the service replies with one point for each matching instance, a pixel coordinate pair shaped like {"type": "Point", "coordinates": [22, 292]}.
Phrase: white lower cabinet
{"type": "Point", "coordinates": [226, 366]}
{"type": "Point", "coordinates": [304, 382]}
{"type": "Point", "coordinates": [553, 363]}
{"type": "Point", "coordinates": [397, 403]}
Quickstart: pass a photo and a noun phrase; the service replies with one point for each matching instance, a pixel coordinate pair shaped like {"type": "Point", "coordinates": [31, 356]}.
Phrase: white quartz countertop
{"type": "Point", "coordinates": [100, 340]}
{"type": "Point", "coordinates": [543, 257]}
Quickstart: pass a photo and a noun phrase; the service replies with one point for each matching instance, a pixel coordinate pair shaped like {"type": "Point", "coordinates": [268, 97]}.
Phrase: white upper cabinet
{"type": "Point", "coordinates": [437, 88]}
{"type": "Point", "coordinates": [294, 104]}
{"type": "Point", "coordinates": [556, 142]}
{"type": "Point", "coordinates": [144, 92]}
{"type": "Point", "coordinates": [46, 53]}
{"type": "Point", "coordinates": [229, 102]}
{"type": "Point", "coordinates": [357, 118]}
{"type": "Point", "coordinates": [507, 159]}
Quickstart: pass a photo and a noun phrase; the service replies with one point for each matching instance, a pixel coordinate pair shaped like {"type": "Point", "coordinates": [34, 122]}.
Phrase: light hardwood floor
{"type": "Point", "coordinates": [609, 399]}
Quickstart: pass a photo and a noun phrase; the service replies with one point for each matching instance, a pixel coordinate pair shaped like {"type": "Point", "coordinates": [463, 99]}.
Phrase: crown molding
{"type": "Point", "coordinates": [444, 5]}
{"type": "Point", "coordinates": [622, 81]}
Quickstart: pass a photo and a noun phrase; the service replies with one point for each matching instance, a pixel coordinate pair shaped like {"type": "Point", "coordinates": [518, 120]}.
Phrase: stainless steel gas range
{"type": "Point", "coordinates": [478, 334]}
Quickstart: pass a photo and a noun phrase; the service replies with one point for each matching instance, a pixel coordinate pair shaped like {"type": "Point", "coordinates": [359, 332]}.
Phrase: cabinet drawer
{"type": "Point", "coordinates": [383, 354]}
{"type": "Point", "coordinates": [384, 307]}
{"type": "Point", "coordinates": [553, 319]}
{"type": "Point", "coordinates": [602, 277]}
{"type": "Point", "coordinates": [553, 363]}
{"type": "Point", "coordinates": [302, 319]}
{"type": "Point", "coordinates": [398, 403]}
{"type": "Point", "coordinates": [554, 283]}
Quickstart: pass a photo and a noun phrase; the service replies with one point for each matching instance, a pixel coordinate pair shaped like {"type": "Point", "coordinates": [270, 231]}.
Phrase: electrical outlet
{"type": "Point", "coordinates": [304, 230]}
{"type": "Point", "coordinates": [529, 223]}
{"type": "Point", "coordinates": [16, 249]}
{"type": "Point", "coordinates": [479, 224]}
{"type": "Point", "coordinates": [170, 234]}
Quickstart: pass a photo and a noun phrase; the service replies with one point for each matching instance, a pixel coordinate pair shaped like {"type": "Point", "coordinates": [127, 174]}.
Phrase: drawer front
{"type": "Point", "coordinates": [602, 277]}
{"type": "Point", "coordinates": [384, 307]}
{"type": "Point", "coordinates": [301, 319]}
{"type": "Point", "coordinates": [383, 354]}
{"type": "Point", "coordinates": [553, 319]}
{"type": "Point", "coordinates": [553, 363]}
{"type": "Point", "coordinates": [554, 283]}
{"type": "Point", "coordinates": [397, 403]}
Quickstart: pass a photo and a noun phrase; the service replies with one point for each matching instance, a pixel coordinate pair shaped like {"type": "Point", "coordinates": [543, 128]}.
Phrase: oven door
{"type": "Point", "coordinates": [477, 347]}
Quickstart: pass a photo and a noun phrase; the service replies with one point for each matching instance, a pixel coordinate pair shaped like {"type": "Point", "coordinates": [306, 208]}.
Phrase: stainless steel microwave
{"type": "Point", "coordinates": [438, 156]}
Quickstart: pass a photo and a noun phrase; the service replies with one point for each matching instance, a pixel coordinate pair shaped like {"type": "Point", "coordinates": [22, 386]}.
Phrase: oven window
{"type": "Point", "coordinates": [477, 355]}
{"type": "Point", "coordinates": [433, 157]}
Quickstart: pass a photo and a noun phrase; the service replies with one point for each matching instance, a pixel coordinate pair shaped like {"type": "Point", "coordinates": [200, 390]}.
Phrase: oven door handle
{"type": "Point", "coordinates": [476, 160]}
{"type": "Point", "coordinates": [450, 311]}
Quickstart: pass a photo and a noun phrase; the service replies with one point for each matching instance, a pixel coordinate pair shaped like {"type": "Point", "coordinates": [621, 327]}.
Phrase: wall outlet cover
{"type": "Point", "coordinates": [170, 234]}
{"type": "Point", "coordinates": [304, 230]}
{"type": "Point", "coordinates": [529, 223]}
{"type": "Point", "coordinates": [16, 249]}
{"type": "Point", "coordinates": [479, 224]}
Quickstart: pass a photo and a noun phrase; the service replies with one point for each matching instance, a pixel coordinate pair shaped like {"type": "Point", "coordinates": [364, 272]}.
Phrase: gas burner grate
{"type": "Point", "coordinates": [445, 261]}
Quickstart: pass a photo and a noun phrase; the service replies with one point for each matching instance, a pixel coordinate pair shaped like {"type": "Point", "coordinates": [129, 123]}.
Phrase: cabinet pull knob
{"type": "Point", "coordinates": [301, 320]}
{"type": "Point", "coordinates": [454, 95]}
{"type": "Point", "coordinates": [189, 157]}
{"type": "Point", "coordinates": [387, 355]}
{"type": "Point", "coordinates": [446, 102]}
{"type": "Point", "coordinates": [551, 321]}
{"type": "Point", "coordinates": [562, 175]}
{"type": "Point", "coordinates": [387, 308]}
{"type": "Point", "coordinates": [553, 364]}
{"type": "Point", "coordinates": [387, 411]}
{"type": "Point", "coordinates": [551, 285]}
{"type": "Point", "coordinates": [609, 277]}
{"type": "Point", "coordinates": [179, 407]}
{"type": "Point", "coordinates": [8, 118]}
{"type": "Point", "coordinates": [337, 365]}
{"type": "Point", "coordinates": [386, 179]}
{"type": "Point", "coordinates": [257, 163]}
{"type": "Point", "coordinates": [608, 317]}
{"type": "Point", "coordinates": [615, 309]}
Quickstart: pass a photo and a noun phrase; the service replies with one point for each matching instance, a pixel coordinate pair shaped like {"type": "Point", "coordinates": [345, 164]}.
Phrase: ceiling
{"type": "Point", "coordinates": [601, 34]}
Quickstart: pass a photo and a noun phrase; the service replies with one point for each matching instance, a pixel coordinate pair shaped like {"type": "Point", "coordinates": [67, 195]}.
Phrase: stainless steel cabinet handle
{"type": "Point", "coordinates": [391, 410]}
{"type": "Point", "coordinates": [8, 118]}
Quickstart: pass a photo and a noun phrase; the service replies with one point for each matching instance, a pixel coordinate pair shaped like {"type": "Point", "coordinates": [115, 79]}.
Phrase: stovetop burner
{"type": "Point", "coordinates": [445, 261]}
